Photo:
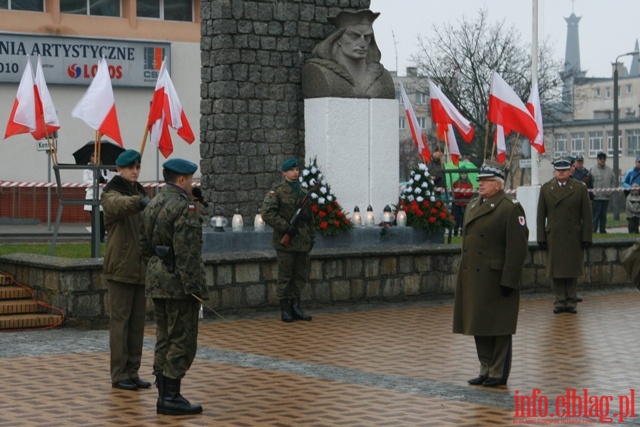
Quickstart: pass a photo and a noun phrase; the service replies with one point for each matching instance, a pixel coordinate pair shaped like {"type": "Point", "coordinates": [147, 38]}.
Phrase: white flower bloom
{"type": "Point", "coordinates": [322, 200]}
{"type": "Point", "coordinates": [330, 198]}
{"type": "Point", "coordinates": [419, 199]}
{"type": "Point", "coordinates": [320, 177]}
{"type": "Point", "coordinates": [425, 184]}
{"type": "Point", "coordinates": [410, 198]}
{"type": "Point", "coordinates": [408, 190]}
{"type": "Point", "coordinates": [305, 172]}
{"type": "Point", "coordinates": [314, 196]}
{"type": "Point", "coordinates": [418, 190]}
{"type": "Point", "coordinates": [410, 183]}
{"type": "Point", "coordinates": [314, 169]}
{"type": "Point", "coordinates": [323, 190]}
{"type": "Point", "coordinates": [427, 193]}
{"type": "Point", "coordinates": [417, 177]}
{"type": "Point", "coordinates": [422, 166]}
{"type": "Point", "coordinates": [312, 181]}
{"type": "Point", "coordinates": [433, 199]}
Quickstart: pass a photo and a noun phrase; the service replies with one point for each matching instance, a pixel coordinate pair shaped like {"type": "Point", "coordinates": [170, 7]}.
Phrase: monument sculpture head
{"type": "Point", "coordinates": [347, 63]}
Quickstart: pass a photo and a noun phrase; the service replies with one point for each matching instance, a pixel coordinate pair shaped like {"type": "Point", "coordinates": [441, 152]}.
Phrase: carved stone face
{"type": "Point", "coordinates": [355, 41]}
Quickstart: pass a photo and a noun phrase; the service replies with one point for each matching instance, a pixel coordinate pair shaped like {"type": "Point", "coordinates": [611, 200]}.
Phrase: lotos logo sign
{"type": "Point", "coordinates": [76, 71]}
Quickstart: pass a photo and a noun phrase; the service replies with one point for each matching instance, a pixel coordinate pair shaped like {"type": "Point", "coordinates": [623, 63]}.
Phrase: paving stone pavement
{"type": "Point", "coordinates": [377, 365]}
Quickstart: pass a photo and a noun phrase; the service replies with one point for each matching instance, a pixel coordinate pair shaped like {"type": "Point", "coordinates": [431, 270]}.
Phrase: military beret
{"type": "Point", "coordinates": [561, 164]}
{"type": "Point", "coordinates": [180, 166]}
{"type": "Point", "coordinates": [491, 169]}
{"type": "Point", "coordinates": [571, 159]}
{"type": "Point", "coordinates": [128, 158]}
{"type": "Point", "coordinates": [579, 158]}
{"type": "Point", "coordinates": [290, 163]}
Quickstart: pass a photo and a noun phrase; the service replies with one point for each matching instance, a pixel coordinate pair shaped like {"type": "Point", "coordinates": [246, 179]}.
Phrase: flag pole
{"type": "Point", "coordinates": [535, 179]}
{"type": "Point", "coordinates": [486, 139]}
{"type": "Point", "coordinates": [513, 150]}
{"type": "Point", "coordinates": [144, 141]}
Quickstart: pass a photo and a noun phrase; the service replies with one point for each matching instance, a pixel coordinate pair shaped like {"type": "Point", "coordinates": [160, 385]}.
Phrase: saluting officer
{"type": "Point", "coordinates": [487, 296]}
{"type": "Point", "coordinates": [279, 206]}
{"type": "Point", "coordinates": [564, 230]}
{"type": "Point", "coordinates": [171, 242]}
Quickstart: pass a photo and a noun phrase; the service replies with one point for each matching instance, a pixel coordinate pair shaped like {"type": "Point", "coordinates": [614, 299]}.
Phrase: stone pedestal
{"type": "Point", "coordinates": [356, 144]}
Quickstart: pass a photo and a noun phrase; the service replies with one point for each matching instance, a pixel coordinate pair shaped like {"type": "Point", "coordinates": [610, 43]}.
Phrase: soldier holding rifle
{"type": "Point", "coordinates": [287, 210]}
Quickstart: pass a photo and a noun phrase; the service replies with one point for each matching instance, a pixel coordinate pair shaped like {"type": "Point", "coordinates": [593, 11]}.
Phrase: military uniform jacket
{"type": "Point", "coordinates": [564, 222]}
{"type": "Point", "coordinates": [173, 219]}
{"type": "Point", "coordinates": [121, 206]}
{"type": "Point", "coordinates": [494, 249]}
{"type": "Point", "coordinates": [278, 208]}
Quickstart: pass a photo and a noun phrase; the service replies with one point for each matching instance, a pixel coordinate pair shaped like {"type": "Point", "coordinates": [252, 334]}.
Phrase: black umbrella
{"type": "Point", "coordinates": [109, 152]}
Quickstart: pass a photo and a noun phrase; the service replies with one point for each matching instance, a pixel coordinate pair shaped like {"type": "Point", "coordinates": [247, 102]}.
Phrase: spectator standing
{"type": "Point", "coordinates": [581, 173]}
{"type": "Point", "coordinates": [462, 193]}
{"type": "Point", "coordinates": [603, 181]}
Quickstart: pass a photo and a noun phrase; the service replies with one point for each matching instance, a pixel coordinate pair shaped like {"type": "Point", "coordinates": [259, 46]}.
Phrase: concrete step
{"type": "Point", "coordinates": [15, 306]}
{"type": "Point", "coordinates": [24, 321]}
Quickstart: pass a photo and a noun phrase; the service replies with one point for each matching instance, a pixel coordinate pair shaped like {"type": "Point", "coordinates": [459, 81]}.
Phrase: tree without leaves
{"type": "Point", "coordinates": [460, 59]}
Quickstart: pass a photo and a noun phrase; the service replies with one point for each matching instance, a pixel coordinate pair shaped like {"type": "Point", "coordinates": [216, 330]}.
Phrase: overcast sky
{"type": "Point", "coordinates": [608, 28]}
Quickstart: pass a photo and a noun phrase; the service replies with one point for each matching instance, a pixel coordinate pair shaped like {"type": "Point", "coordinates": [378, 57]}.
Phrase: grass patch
{"type": "Point", "coordinates": [63, 250]}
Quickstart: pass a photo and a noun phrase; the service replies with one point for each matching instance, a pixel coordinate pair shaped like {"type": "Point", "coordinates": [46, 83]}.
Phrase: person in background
{"type": "Point", "coordinates": [564, 231]}
{"type": "Point", "coordinates": [462, 193]}
{"type": "Point", "coordinates": [87, 178]}
{"type": "Point", "coordinates": [605, 180]}
{"type": "Point", "coordinates": [633, 209]}
{"type": "Point", "coordinates": [436, 169]}
{"type": "Point", "coordinates": [582, 174]}
{"type": "Point", "coordinates": [487, 295]}
{"type": "Point", "coordinates": [123, 200]}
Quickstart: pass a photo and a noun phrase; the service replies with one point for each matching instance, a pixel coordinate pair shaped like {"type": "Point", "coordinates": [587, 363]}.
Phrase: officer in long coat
{"type": "Point", "coordinates": [564, 229]}
{"type": "Point", "coordinates": [487, 296]}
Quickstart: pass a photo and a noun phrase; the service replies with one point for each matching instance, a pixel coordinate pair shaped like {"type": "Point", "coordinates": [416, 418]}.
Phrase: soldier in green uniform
{"type": "Point", "coordinates": [278, 208]}
{"type": "Point", "coordinates": [171, 243]}
{"type": "Point", "coordinates": [123, 200]}
{"type": "Point", "coordinates": [487, 296]}
{"type": "Point", "coordinates": [564, 230]}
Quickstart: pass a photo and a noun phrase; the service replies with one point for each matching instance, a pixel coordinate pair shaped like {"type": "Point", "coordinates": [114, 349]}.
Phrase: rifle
{"type": "Point", "coordinates": [296, 216]}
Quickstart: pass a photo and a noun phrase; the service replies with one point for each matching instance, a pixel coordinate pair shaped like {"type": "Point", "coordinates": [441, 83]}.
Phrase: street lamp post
{"type": "Point", "coordinates": [616, 150]}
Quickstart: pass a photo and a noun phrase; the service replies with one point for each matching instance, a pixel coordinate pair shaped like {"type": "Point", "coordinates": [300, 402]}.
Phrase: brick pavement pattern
{"type": "Point", "coordinates": [383, 365]}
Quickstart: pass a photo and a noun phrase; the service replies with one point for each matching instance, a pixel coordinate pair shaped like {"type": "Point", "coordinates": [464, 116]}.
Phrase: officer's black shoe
{"type": "Point", "coordinates": [125, 385]}
{"type": "Point", "coordinates": [172, 402]}
{"type": "Point", "coordinates": [297, 312]}
{"type": "Point", "coordinates": [494, 382]}
{"type": "Point", "coordinates": [558, 309]}
{"type": "Point", "coordinates": [477, 380]}
{"type": "Point", "coordinates": [285, 311]}
{"type": "Point", "coordinates": [578, 299]}
{"type": "Point", "coordinates": [571, 310]}
{"type": "Point", "coordinates": [140, 383]}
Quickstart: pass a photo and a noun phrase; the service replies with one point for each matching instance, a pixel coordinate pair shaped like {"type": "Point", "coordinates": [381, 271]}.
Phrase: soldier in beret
{"type": "Point", "coordinates": [279, 206]}
{"type": "Point", "coordinates": [123, 200]}
{"type": "Point", "coordinates": [564, 230]}
{"type": "Point", "coordinates": [487, 296]}
{"type": "Point", "coordinates": [171, 243]}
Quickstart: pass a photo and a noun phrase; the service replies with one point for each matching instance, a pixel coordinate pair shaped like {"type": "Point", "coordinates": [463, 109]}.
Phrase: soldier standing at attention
{"type": "Point", "coordinates": [171, 243]}
{"type": "Point", "coordinates": [564, 230]}
{"type": "Point", "coordinates": [278, 208]}
{"type": "Point", "coordinates": [487, 296]}
{"type": "Point", "coordinates": [122, 201]}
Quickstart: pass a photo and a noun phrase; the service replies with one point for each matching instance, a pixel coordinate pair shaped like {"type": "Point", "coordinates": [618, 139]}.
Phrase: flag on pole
{"type": "Point", "coordinates": [445, 114]}
{"type": "Point", "coordinates": [499, 140]}
{"type": "Point", "coordinates": [416, 132]}
{"type": "Point", "coordinates": [506, 109]}
{"type": "Point", "coordinates": [533, 105]}
{"type": "Point", "coordinates": [97, 108]}
{"type": "Point", "coordinates": [23, 114]}
{"type": "Point", "coordinates": [166, 110]}
{"type": "Point", "coordinates": [46, 117]}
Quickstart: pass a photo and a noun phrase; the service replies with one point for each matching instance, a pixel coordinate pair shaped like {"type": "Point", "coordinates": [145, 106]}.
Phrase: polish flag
{"type": "Point", "coordinates": [533, 105]}
{"type": "Point", "coordinates": [23, 113]}
{"type": "Point", "coordinates": [47, 119]}
{"type": "Point", "coordinates": [97, 108]}
{"type": "Point", "coordinates": [506, 109]}
{"type": "Point", "coordinates": [416, 132]}
{"type": "Point", "coordinates": [445, 114]}
{"type": "Point", "coordinates": [499, 140]}
{"type": "Point", "coordinates": [166, 110]}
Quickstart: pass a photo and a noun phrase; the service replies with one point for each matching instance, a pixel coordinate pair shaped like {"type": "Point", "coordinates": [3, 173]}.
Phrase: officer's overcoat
{"type": "Point", "coordinates": [564, 222]}
{"type": "Point", "coordinates": [494, 249]}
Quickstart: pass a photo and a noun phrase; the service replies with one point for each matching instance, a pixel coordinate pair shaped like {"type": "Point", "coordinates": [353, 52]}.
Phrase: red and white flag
{"type": "Point", "coordinates": [97, 108]}
{"type": "Point", "coordinates": [445, 114]}
{"type": "Point", "coordinates": [166, 110]}
{"type": "Point", "coordinates": [499, 140]}
{"type": "Point", "coordinates": [23, 113]}
{"type": "Point", "coordinates": [533, 105]}
{"type": "Point", "coordinates": [506, 109]}
{"type": "Point", "coordinates": [416, 131]}
{"type": "Point", "coordinates": [46, 117]}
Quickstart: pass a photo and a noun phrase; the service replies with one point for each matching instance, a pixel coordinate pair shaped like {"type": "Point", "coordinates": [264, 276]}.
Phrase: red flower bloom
{"type": "Point", "coordinates": [443, 215]}
{"type": "Point", "coordinates": [324, 225]}
{"type": "Point", "coordinates": [419, 212]}
{"type": "Point", "coordinates": [329, 209]}
{"type": "Point", "coordinates": [339, 213]}
{"type": "Point", "coordinates": [314, 208]}
{"type": "Point", "coordinates": [432, 219]}
{"type": "Point", "coordinates": [425, 204]}
{"type": "Point", "coordinates": [438, 203]}
{"type": "Point", "coordinates": [336, 223]}
{"type": "Point", "coordinates": [433, 210]}
{"type": "Point", "coordinates": [322, 214]}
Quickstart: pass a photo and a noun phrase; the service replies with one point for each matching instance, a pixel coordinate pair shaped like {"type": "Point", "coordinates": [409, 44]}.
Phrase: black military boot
{"type": "Point", "coordinates": [160, 385]}
{"type": "Point", "coordinates": [172, 402]}
{"type": "Point", "coordinates": [285, 310]}
{"type": "Point", "coordinates": [297, 312]}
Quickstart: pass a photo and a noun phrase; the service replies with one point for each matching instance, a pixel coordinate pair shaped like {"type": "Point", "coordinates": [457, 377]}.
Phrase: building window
{"type": "Point", "coordinates": [629, 89]}
{"type": "Point", "coordinates": [577, 143]}
{"type": "Point", "coordinates": [402, 123]}
{"type": "Point", "coordinates": [560, 145]}
{"type": "Point", "coordinates": [422, 122]}
{"type": "Point", "coordinates": [421, 98]}
{"type": "Point", "coordinates": [608, 92]}
{"type": "Point", "coordinates": [597, 92]}
{"type": "Point", "coordinates": [633, 142]}
{"type": "Point", "coordinates": [31, 5]}
{"type": "Point", "coordinates": [610, 142]}
{"type": "Point", "coordinates": [91, 7]}
{"type": "Point", "coordinates": [167, 10]}
{"type": "Point", "coordinates": [595, 143]}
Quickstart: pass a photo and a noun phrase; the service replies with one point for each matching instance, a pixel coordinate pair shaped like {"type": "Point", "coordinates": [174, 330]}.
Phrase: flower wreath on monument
{"type": "Point", "coordinates": [328, 216]}
{"type": "Point", "coordinates": [422, 203]}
